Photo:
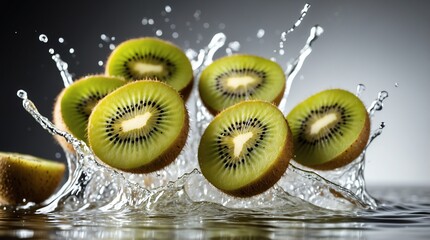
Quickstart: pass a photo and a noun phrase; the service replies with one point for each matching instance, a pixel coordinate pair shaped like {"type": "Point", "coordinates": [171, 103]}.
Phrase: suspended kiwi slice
{"type": "Point", "coordinates": [26, 178]}
{"type": "Point", "coordinates": [74, 104]}
{"type": "Point", "coordinates": [246, 148]}
{"type": "Point", "coordinates": [151, 58]}
{"type": "Point", "coordinates": [330, 129]}
{"type": "Point", "coordinates": [140, 127]}
{"type": "Point", "coordinates": [235, 78]}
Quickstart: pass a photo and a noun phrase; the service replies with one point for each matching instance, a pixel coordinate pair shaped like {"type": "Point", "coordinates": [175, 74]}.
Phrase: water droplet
{"type": "Point", "coordinates": [151, 21]}
{"type": "Point", "coordinates": [260, 33]}
{"type": "Point", "coordinates": [43, 38]}
{"type": "Point", "coordinates": [396, 84]}
{"type": "Point", "coordinates": [273, 59]}
{"type": "Point", "coordinates": [111, 46]}
{"type": "Point", "coordinates": [166, 20]}
{"type": "Point", "coordinates": [221, 26]}
{"type": "Point", "coordinates": [100, 45]}
{"type": "Point", "coordinates": [159, 32]}
{"type": "Point", "coordinates": [51, 51]}
{"type": "Point", "coordinates": [71, 50]}
{"type": "Point", "coordinates": [172, 26]}
{"type": "Point", "coordinates": [112, 38]}
{"type": "Point", "coordinates": [175, 35]}
{"type": "Point", "coordinates": [197, 15]}
{"type": "Point", "coordinates": [61, 40]}
{"type": "Point", "coordinates": [22, 94]}
{"type": "Point", "coordinates": [144, 21]}
{"type": "Point", "coordinates": [104, 37]}
{"type": "Point", "coordinates": [206, 25]}
{"type": "Point", "coordinates": [168, 9]}
{"type": "Point", "coordinates": [281, 52]}
{"type": "Point", "coordinates": [235, 46]}
{"type": "Point", "coordinates": [57, 155]}
{"type": "Point", "coordinates": [100, 63]}
{"type": "Point", "coordinates": [360, 89]}
{"type": "Point", "coordinates": [382, 95]}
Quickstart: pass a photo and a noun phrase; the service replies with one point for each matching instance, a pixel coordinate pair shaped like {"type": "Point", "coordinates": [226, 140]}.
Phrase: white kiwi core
{"type": "Point", "coordinates": [235, 82]}
{"type": "Point", "coordinates": [147, 68]}
{"type": "Point", "coordinates": [239, 141]}
{"type": "Point", "coordinates": [322, 123]}
{"type": "Point", "coordinates": [137, 122]}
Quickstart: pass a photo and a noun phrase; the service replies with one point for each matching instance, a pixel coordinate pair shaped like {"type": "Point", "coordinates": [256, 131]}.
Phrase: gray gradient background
{"type": "Point", "coordinates": [377, 43]}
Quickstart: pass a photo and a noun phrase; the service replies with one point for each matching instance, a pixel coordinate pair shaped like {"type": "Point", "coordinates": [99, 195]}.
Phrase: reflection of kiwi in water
{"type": "Point", "coordinates": [151, 58]}
{"type": "Point", "coordinates": [140, 127]}
{"type": "Point", "coordinates": [74, 104]}
{"type": "Point", "coordinates": [330, 129]}
{"type": "Point", "coordinates": [246, 148]}
{"type": "Point", "coordinates": [28, 177]}
{"type": "Point", "coordinates": [235, 78]}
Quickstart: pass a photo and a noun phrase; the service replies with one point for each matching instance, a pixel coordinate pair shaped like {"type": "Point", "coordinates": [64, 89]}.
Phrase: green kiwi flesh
{"type": "Point", "coordinates": [330, 129]}
{"type": "Point", "coordinates": [74, 104]}
{"type": "Point", "coordinates": [235, 78]}
{"type": "Point", "coordinates": [151, 58]}
{"type": "Point", "coordinates": [246, 148]}
{"type": "Point", "coordinates": [25, 178]}
{"type": "Point", "coordinates": [140, 127]}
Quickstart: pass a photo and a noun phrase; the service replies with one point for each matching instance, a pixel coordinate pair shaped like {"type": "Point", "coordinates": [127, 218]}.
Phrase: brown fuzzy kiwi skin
{"type": "Point", "coordinates": [169, 155]}
{"type": "Point", "coordinates": [350, 154]}
{"type": "Point", "coordinates": [275, 102]}
{"type": "Point", "coordinates": [15, 178]}
{"type": "Point", "coordinates": [273, 174]}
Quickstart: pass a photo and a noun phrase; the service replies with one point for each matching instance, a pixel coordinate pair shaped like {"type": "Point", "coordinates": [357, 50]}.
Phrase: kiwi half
{"type": "Point", "coordinates": [235, 78]}
{"type": "Point", "coordinates": [74, 104]}
{"type": "Point", "coordinates": [246, 148]}
{"type": "Point", "coordinates": [140, 127]}
{"type": "Point", "coordinates": [151, 58]}
{"type": "Point", "coordinates": [26, 178]}
{"type": "Point", "coordinates": [330, 129]}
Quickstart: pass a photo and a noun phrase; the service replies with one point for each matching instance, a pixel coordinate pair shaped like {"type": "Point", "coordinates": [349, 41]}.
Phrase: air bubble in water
{"type": "Point", "coordinates": [43, 38]}
{"type": "Point", "coordinates": [61, 40]}
{"type": "Point", "coordinates": [159, 32]}
{"type": "Point", "coordinates": [168, 9]}
{"type": "Point", "coordinates": [260, 33]}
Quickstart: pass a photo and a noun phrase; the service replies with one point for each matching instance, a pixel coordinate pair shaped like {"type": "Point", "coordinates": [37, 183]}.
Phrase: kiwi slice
{"type": "Point", "coordinates": [74, 104]}
{"type": "Point", "coordinates": [140, 127]}
{"type": "Point", "coordinates": [151, 58]}
{"type": "Point", "coordinates": [330, 129]}
{"type": "Point", "coordinates": [246, 148]}
{"type": "Point", "coordinates": [235, 78]}
{"type": "Point", "coordinates": [26, 178]}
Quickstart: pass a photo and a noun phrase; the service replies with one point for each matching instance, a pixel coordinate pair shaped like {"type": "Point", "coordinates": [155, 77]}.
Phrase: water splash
{"type": "Point", "coordinates": [377, 104]}
{"type": "Point", "coordinates": [294, 67]}
{"type": "Point", "coordinates": [62, 66]}
{"type": "Point", "coordinates": [284, 34]}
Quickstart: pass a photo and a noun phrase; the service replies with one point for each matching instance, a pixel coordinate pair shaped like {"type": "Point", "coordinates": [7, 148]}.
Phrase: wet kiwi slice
{"type": "Point", "coordinates": [151, 58]}
{"type": "Point", "coordinates": [74, 104]}
{"type": "Point", "coordinates": [330, 129]}
{"type": "Point", "coordinates": [26, 178]}
{"type": "Point", "coordinates": [246, 148]}
{"type": "Point", "coordinates": [235, 78]}
{"type": "Point", "coordinates": [140, 127]}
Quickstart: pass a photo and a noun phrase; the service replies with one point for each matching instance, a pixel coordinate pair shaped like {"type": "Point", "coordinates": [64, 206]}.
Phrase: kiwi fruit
{"type": "Point", "coordinates": [330, 129]}
{"type": "Point", "coordinates": [231, 79]}
{"type": "Point", "coordinates": [74, 104]}
{"type": "Point", "coordinates": [152, 58]}
{"type": "Point", "coordinates": [140, 127]}
{"type": "Point", "coordinates": [246, 148]}
{"type": "Point", "coordinates": [26, 178]}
